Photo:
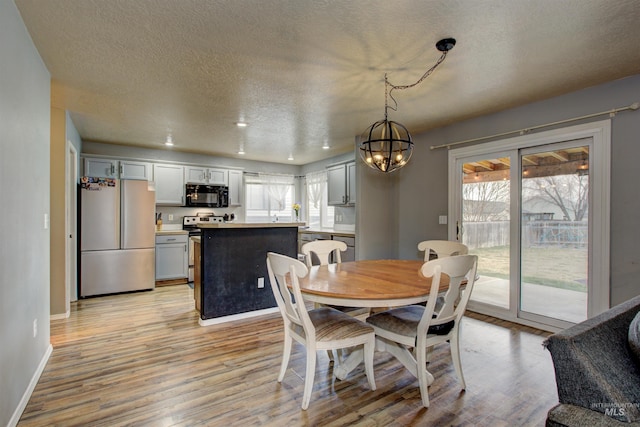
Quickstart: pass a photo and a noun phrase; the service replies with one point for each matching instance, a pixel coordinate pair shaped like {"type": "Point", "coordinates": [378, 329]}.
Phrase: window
{"type": "Point", "coordinates": [269, 198]}
{"type": "Point", "coordinates": [319, 214]}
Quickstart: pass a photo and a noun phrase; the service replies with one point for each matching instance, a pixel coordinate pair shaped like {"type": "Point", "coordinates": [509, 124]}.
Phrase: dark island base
{"type": "Point", "coordinates": [232, 261]}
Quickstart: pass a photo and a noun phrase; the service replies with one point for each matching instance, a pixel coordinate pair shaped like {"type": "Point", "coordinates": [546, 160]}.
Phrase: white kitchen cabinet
{"type": "Point", "coordinates": [101, 168]}
{"type": "Point", "coordinates": [135, 170]}
{"type": "Point", "coordinates": [112, 168]}
{"type": "Point", "coordinates": [202, 175]}
{"type": "Point", "coordinates": [341, 184]}
{"type": "Point", "coordinates": [172, 256]}
{"type": "Point", "coordinates": [169, 181]}
{"type": "Point", "coordinates": [235, 188]}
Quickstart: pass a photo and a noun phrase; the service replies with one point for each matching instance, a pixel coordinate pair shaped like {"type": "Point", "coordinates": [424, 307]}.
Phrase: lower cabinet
{"type": "Point", "coordinates": [172, 256]}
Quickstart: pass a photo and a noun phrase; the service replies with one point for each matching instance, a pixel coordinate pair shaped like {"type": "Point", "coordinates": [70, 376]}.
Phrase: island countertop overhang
{"type": "Point", "coordinates": [251, 225]}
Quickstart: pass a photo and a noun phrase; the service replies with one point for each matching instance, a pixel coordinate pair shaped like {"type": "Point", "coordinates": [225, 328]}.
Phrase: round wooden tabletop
{"type": "Point", "coordinates": [368, 283]}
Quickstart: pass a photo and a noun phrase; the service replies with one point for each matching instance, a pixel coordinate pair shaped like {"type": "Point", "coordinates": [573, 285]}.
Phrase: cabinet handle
{"type": "Point", "coordinates": [121, 169]}
{"type": "Point", "coordinates": [113, 169]}
{"type": "Point", "coordinates": [170, 240]}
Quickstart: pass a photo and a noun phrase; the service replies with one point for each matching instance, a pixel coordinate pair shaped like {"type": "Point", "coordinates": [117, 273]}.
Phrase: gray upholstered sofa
{"type": "Point", "coordinates": [597, 376]}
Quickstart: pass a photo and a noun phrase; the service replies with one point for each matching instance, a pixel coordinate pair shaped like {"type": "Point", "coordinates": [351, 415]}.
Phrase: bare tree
{"type": "Point", "coordinates": [570, 193]}
{"type": "Point", "coordinates": [485, 201]}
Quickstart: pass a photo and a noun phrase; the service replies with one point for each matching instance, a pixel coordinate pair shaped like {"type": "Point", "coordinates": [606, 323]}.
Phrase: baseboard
{"type": "Point", "coordinates": [231, 318]}
{"type": "Point", "coordinates": [60, 316]}
{"type": "Point", "coordinates": [32, 385]}
{"type": "Point", "coordinates": [171, 282]}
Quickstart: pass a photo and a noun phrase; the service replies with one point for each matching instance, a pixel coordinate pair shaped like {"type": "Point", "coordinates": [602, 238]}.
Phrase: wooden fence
{"type": "Point", "coordinates": [490, 234]}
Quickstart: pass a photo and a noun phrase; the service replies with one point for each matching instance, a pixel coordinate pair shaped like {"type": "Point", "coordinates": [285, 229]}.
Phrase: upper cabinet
{"type": "Point", "coordinates": [235, 188]}
{"type": "Point", "coordinates": [169, 181]}
{"type": "Point", "coordinates": [111, 168]}
{"type": "Point", "coordinates": [341, 184]}
{"type": "Point", "coordinates": [202, 175]}
{"type": "Point", "coordinates": [351, 183]}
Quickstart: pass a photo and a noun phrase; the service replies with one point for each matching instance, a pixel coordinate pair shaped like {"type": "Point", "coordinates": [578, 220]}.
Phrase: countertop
{"type": "Point", "coordinates": [333, 231]}
{"type": "Point", "coordinates": [251, 225]}
{"type": "Point", "coordinates": [169, 232]}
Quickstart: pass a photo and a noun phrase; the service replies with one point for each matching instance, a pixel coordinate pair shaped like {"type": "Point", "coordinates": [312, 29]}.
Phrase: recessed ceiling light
{"type": "Point", "coordinates": [241, 124]}
{"type": "Point", "coordinates": [325, 146]}
{"type": "Point", "coordinates": [290, 157]}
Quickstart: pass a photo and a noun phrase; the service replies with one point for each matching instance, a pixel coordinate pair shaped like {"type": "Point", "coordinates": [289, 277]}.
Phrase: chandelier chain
{"type": "Point", "coordinates": [387, 84]}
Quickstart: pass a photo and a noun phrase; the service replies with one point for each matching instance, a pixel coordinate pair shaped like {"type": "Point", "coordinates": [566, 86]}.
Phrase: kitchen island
{"type": "Point", "coordinates": [230, 279]}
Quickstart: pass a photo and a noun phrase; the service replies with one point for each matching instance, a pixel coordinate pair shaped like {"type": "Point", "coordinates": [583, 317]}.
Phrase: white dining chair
{"type": "Point", "coordinates": [418, 327]}
{"type": "Point", "coordinates": [442, 248]}
{"type": "Point", "coordinates": [323, 250]}
{"type": "Point", "coordinates": [322, 328]}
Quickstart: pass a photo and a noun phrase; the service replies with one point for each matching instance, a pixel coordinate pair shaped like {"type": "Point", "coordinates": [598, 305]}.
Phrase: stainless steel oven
{"type": "Point", "coordinates": [192, 225]}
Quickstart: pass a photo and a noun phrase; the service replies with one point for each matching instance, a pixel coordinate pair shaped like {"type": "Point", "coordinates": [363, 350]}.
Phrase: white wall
{"type": "Point", "coordinates": [423, 188]}
{"type": "Point", "coordinates": [24, 191]}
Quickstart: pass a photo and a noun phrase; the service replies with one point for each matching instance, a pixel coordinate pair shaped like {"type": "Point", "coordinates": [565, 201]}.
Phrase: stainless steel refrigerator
{"type": "Point", "coordinates": [117, 236]}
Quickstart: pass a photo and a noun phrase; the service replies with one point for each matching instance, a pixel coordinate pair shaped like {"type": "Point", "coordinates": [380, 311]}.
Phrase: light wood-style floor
{"type": "Point", "coordinates": [142, 359]}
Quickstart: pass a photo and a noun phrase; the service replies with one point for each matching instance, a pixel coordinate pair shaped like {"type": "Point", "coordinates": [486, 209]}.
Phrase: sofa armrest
{"type": "Point", "coordinates": [594, 366]}
{"type": "Point", "coordinates": [577, 416]}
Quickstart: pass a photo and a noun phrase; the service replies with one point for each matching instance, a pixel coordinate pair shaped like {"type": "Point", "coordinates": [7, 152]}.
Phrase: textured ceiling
{"type": "Point", "coordinates": [304, 73]}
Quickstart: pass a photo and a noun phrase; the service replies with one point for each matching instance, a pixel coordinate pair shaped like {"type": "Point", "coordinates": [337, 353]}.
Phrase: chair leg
{"type": "Point", "coordinates": [455, 357]}
{"type": "Point", "coordinates": [369, 348]}
{"type": "Point", "coordinates": [330, 354]}
{"type": "Point", "coordinates": [308, 378]}
{"type": "Point", "coordinates": [286, 353]}
{"type": "Point", "coordinates": [421, 353]}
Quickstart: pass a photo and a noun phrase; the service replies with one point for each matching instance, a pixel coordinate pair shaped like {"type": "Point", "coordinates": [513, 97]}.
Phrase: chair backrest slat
{"type": "Point", "coordinates": [442, 248]}
{"type": "Point", "coordinates": [458, 269]}
{"type": "Point", "coordinates": [290, 301]}
{"type": "Point", "coordinates": [323, 249]}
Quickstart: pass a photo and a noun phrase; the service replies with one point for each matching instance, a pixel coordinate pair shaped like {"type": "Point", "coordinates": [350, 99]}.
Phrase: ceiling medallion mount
{"type": "Point", "coordinates": [387, 145]}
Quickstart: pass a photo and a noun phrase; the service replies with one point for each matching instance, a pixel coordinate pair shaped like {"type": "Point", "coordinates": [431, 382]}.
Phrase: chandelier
{"type": "Point", "coordinates": [387, 145]}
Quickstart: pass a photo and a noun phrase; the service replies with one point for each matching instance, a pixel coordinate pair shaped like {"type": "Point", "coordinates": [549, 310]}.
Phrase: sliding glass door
{"type": "Point", "coordinates": [554, 230]}
{"type": "Point", "coordinates": [525, 207]}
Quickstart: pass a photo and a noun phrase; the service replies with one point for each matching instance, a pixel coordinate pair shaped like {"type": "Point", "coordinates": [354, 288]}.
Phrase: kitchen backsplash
{"type": "Point", "coordinates": [178, 212]}
{"type": "Point", "coordinates": [345, 215]}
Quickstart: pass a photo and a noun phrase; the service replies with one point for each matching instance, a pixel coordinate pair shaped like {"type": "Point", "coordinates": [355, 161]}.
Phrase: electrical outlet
{"type": "Point", "coordinates": [442, 219]}
{"type": "Point", "coordinates": [46, 221]}
{"type": "Point", "coordinates": [35, 327]}
{"type": "Point", "coordinates": [260, 282]}
{"type": "Point", "coordinates": [170, 217]}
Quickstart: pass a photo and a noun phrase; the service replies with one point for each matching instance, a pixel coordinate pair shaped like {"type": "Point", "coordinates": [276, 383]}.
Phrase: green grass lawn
{"type": "Point", "coordinates": [564, 268]}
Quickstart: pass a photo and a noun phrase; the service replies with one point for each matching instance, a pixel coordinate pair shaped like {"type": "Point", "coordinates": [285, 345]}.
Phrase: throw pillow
{"type": "Point", "coordinates": [634, 337]}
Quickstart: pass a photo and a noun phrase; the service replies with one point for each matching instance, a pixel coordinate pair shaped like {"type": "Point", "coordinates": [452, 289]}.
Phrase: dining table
{"type": "Point", "coordinates": [375, 284]}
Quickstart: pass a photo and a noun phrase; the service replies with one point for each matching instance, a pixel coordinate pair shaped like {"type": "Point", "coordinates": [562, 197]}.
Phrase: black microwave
{"type": "Point", "coordinates": [207, 196]}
